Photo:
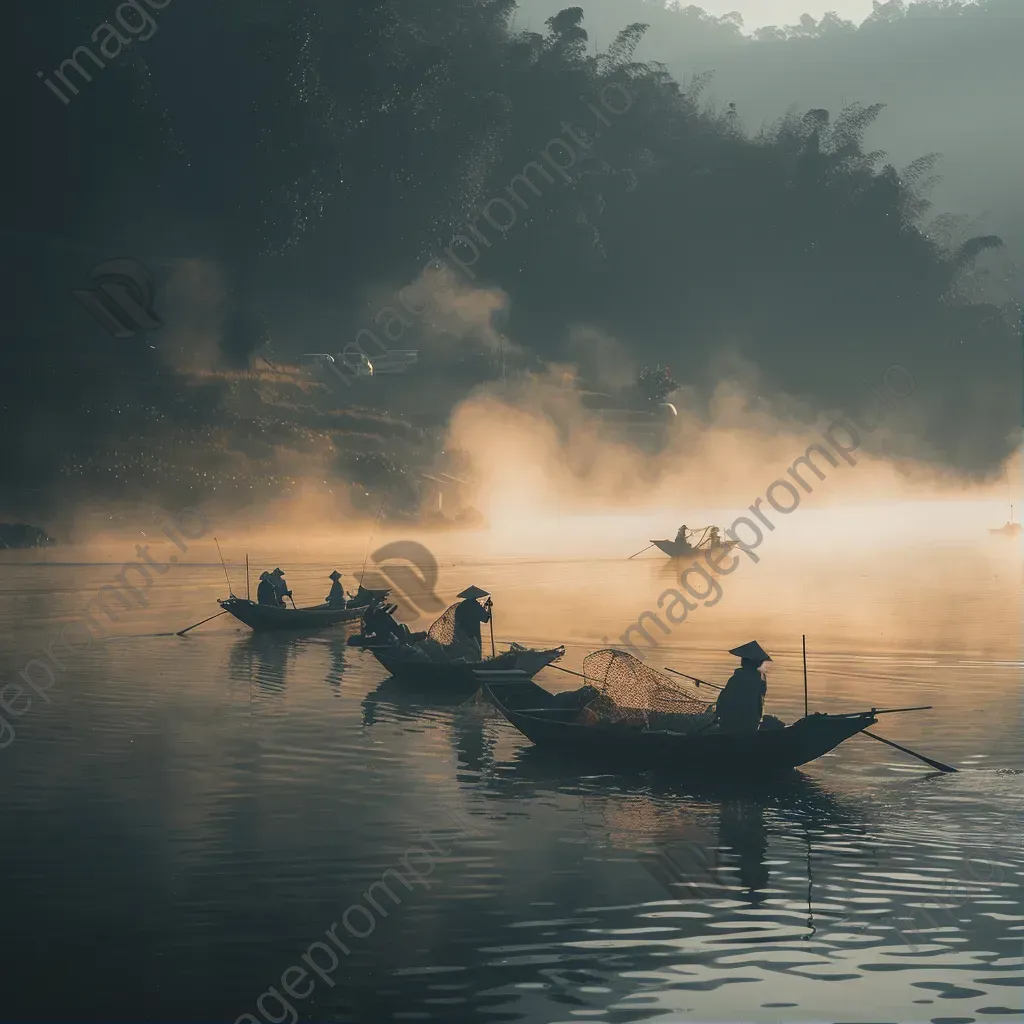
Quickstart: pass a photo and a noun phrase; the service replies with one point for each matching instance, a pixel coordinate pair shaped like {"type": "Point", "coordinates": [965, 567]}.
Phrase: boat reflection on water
{"type": "Point", "coordinates": [705, 839]}
{"type": "Point", "coordinates": [394, 700]}
{"type": "Point", "coordinates": [261, 661]}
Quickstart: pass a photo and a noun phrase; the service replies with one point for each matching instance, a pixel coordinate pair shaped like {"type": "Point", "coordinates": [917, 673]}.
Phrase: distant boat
{"type": "Point", "coordinates": [1010, 529]}
{"type": "Point", "coordinates": [684, 549]}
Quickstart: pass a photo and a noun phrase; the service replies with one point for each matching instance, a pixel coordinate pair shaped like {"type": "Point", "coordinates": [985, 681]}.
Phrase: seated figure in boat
{"type": "Point", "coordinates": [379, 622]}
{"type": "Point", "coordinates": [282, 587]}
{"type": "Point", "coordinates": [681, 535]}
{"type": "Point", "coordinates": [741, 702]}
{"type": "Point", "coordinates": [336, 598]}
{"type": "Point", "coordinates": [468, 616]}
{"type": "Point", "coordinates": [266, 592]}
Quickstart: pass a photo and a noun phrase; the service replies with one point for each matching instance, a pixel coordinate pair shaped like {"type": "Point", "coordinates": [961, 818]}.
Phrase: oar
{"type": "Point", "coordinates": [699, 682]}
{"type": "Point", "coordinates": [184, 631]}
{"type": "Point", "coordinates": [648, 548]}
{"type": "Point", "coordinates": [913, 753]}
{"type": "Point", "coordinates": [882, 711]}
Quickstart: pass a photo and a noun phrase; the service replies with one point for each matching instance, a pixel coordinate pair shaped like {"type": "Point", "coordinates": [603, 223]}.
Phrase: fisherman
{"type": "Point", "coordinates": [468, 615]}
{"type": "Point", "coordinates": [741, 702]}
{"type": "Point", "coordinates": [714, 539]}
{"type": "Point", "coordinates": [379, 622]}
{"type": "Point", "coordinates": [681, 535]}
{"type": "Point", "coordinates": [281, 586]}
{"type": "Point", "coordinates": [266, 592]}
{"type": "Point", "coordinates": [336, 598]}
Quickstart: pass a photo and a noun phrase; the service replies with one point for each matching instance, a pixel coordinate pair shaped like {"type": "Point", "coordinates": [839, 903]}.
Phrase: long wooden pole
{"type": "Point", "coordinates": [182, 632]}
{"type": "Point", "coordinates": [493, 654]}
{"type": "Point", "coordinates": [224, 566]}
{"type": "Point", "coordinates": [247, 595]}
{"type": "Point", "coordinates": [648, 548]}
{"type": "Point", "coordinates": [913, 753]}
{"type": "Point", "coordinates": [805, 675]}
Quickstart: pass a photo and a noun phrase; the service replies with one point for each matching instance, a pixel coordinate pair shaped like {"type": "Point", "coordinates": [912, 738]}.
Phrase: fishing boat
{"type": "Point", "coordinates": [685, 549]}
{"type": "Point", "coordinates": [555, 724]}
{"type": "Point", "coordinates": [262, 617]}
{"type": "Point", "coordinates": [460, 676]}
{"type": "Point", "coordinates": [1010, 528]}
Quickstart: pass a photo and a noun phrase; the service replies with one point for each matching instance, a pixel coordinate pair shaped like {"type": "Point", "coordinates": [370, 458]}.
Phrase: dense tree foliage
{"type": "Point", "coordinates": [318, 154]}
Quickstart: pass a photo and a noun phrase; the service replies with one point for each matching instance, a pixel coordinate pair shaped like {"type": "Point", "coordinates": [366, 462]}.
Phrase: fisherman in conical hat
{"type": "Point", "coordinates": [266, 592]}
{"type": "Point", "coordinates": [277, 575]}
{"type": "Point", "coordinates": [741, 702]}
{"type": "Point", "coordinates": [469, 614]}
{"type": "Point", "coordinates": [336, 598]}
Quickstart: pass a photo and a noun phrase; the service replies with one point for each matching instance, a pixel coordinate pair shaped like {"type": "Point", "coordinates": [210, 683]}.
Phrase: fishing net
{"type": "Point", "coordinates": [443, 644]}
{"type": "Point", "coordinates": [632, 693]}
{"type": "Point", "coordinates": [442, 630]}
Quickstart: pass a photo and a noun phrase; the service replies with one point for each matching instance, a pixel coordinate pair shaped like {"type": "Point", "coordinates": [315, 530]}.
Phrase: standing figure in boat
{"type": "Point", "coordinates": [468, 616]}
{"type": "Point", "coordinates": [714, 540]}
{"type": "Point", "coordinates": [281, 585]}
{"type": "Point", "coordinates": [266, 592]}
{"type": "Point", "coordinates": [681, 535]}
{"type": "Point", "coordinates": [741, 703]}
{"type": "Point", "coordinates": [336, 598]}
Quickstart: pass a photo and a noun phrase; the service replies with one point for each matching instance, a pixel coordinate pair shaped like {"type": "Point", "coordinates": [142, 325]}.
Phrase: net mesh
{"type": "Point", "coordinates": [442, 630]}
{"type": "Point", "coordinates": [632, 693]}
{"type": "Point", "coordinates": [443, 643]}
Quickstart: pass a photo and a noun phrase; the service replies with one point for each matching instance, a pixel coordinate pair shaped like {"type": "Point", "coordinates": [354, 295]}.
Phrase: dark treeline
{"type": "Point", "coordinates": [319, 153]}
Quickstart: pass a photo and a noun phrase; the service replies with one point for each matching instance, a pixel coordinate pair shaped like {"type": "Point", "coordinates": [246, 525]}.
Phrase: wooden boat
{"type": "Point", "coordinates": [262, 617]}
{"type": "Point", "coordinates": [460, 676]}
{"type": "Point", "coordinates": [550, 722]}
{"type": "Point", "coordinates": [1010, 528]}
{"type": "Point", "coordinates": [369, 643]}
{"type": "Point", "coordinates": [676, 550]}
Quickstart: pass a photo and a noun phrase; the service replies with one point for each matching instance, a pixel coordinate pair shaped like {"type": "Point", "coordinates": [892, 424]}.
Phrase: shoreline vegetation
{"type": "Point", "coordinates": [677, 235]}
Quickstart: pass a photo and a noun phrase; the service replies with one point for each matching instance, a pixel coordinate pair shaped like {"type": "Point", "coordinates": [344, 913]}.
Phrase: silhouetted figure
{"type": "Point", "coordinates": [741, 702]}
{"type": "Point", "coordinates": [281, 586]}
{"type": "Point", "coordinates": [468, 617]}
{"type": "Point", "coordinates": [266, 592]}
{"type": "Point", "coordinates": [336, 598]}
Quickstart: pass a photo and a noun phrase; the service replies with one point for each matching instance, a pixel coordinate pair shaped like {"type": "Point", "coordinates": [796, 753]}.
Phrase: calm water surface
{"type": "Point", "coordinates": [188, 815]}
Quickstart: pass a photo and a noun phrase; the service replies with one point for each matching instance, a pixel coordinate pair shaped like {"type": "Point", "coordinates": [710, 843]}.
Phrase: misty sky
{"type": "Point", "coordinates": [756, 13]}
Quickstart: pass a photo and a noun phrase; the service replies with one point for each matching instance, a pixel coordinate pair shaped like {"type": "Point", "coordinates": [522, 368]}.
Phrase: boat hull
{"type": "Point", "coordinates": [266, 618]}
{"type": "Point", "coordinates": [460, 678]}
{"type": "Point", "coordinates": [674, 550]}
{"type": "Point", "coordinates": [532, 710]}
